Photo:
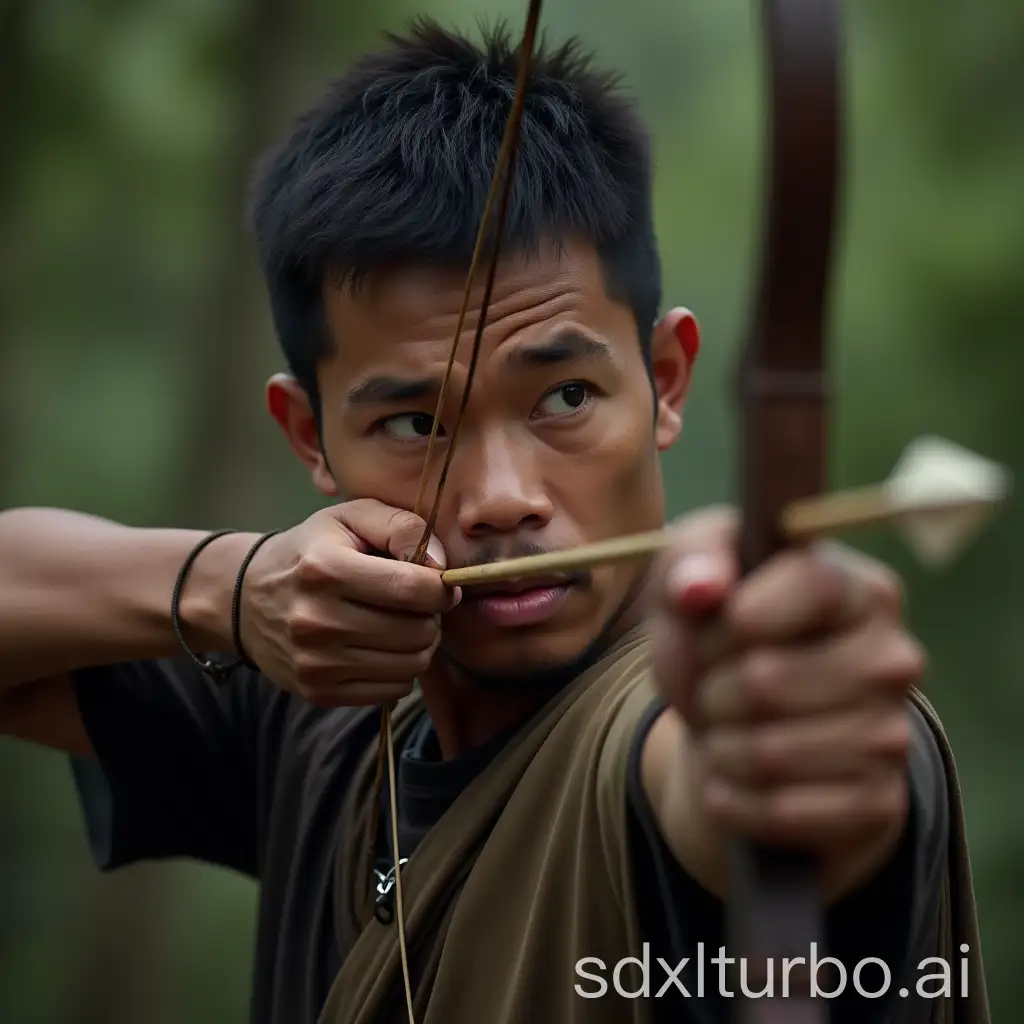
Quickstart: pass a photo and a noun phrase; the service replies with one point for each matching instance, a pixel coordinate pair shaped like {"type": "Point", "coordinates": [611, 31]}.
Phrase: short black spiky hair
{"type": "Point", "coordinates": [395, 162]}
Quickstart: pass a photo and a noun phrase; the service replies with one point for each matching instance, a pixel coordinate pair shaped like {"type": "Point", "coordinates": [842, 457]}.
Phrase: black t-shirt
{"type": "Point", "coordinates": [253, 779]}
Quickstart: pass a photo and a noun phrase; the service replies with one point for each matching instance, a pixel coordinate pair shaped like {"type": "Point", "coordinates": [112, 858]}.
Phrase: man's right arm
{"type": "Point", "coordinates": [322, 615]}
{"type": "Point", "coordinates": [79, 591]}
{"type": "Point", "coordinates": [171, 764]}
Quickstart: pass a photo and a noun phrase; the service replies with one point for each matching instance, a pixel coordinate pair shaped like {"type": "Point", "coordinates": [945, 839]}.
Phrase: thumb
{"type": "Point", "coordinates": [700, 567]}
{"type": "Point", "coordinates": [379, 527]}
{"type": "Point", "coordinates": [695, 579]}
{"type": "Point", "coordinates": [698, 584]}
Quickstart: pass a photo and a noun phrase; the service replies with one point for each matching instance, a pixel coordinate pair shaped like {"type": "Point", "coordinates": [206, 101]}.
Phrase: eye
{"type": "Point", "coordinates": [565, 399]}
{"type": "Point", "coordinates": [410, 426]}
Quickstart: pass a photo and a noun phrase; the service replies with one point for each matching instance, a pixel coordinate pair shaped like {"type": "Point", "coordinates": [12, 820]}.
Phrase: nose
{"type": "Point", "coordinates": [502, 491]}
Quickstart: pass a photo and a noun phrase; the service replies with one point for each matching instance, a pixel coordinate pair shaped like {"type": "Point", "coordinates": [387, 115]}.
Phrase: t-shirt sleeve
{"type": "Point", "coordinates": [178, 763]}
{"type": "Point", "coordinates": [893, 918]}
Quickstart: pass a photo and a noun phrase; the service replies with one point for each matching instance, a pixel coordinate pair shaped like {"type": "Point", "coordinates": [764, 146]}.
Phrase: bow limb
{"type": "Point", "coordinates": [774, 904]}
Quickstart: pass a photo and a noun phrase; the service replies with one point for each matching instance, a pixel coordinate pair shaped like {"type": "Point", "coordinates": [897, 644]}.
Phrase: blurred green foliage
{"type": "Point", "coordinates": [134, 341]}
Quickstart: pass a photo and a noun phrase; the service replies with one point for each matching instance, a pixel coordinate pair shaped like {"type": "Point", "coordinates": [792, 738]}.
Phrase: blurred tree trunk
{"type": "Point", "coordinates": [14, 90]}
{"type": "Point", "coordinates": [221, 481]}
{"type": "Point", "coordinates": [14, 86]}
{"type": "Point", "coordinates": [123, 978]}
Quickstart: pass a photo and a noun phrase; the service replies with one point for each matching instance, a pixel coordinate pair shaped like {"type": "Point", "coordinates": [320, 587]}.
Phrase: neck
{"type": "Point", "coordinates": [467, 715]}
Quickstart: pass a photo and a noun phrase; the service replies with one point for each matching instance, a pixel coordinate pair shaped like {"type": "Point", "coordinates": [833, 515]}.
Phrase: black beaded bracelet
{"type": "Point", "coordinates": [215, 670]}
{"type": "Point", "coordinates": [236, 601]}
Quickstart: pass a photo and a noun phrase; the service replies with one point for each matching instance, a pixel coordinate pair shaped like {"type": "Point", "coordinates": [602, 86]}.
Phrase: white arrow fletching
{"type": "Point", "coordinates": [944, 494]}
{"type": "Point", "coordinates": [938, 536]}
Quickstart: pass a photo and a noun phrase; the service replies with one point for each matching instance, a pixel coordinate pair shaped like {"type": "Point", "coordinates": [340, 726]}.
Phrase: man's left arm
{"type": "Point", "coordinates": [788, 722]}
{"type": "Point", "coordinates": [670, 765]}
{"type": "Point", "coordinates": [891, 915]}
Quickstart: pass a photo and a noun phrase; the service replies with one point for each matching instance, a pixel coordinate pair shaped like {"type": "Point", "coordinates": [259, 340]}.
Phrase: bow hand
{"type": "Point", "coordinates": [788, 722]}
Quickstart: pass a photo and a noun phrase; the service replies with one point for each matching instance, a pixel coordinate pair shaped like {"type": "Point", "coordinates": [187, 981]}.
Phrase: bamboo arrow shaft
{"type": "Point", "coordinates": [860, 508]}
{"type": "Point", "coordinates": [603, 552]}
{"type": "Point", "coordinates": [801, 521]}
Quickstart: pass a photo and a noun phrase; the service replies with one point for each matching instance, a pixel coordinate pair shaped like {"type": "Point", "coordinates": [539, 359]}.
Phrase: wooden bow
{"type": "Point", "coordinates": [774, 907]}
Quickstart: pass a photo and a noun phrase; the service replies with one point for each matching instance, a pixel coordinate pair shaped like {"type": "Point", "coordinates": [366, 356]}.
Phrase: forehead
{"type": "Point", "coordinates": [404, 318]}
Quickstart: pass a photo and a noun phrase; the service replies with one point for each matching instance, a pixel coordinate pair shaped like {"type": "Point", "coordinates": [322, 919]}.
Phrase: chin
{"type": "Point", "coordinates": [525, 658]}
{"type": "Point", "coordinates": [535, 635]}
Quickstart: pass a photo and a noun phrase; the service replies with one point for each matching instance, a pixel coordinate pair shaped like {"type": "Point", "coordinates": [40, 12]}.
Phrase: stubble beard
{"type": "Point", "coordinates": [548, 678]}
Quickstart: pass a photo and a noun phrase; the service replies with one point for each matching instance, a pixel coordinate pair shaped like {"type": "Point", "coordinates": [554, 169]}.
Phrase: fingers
{"type": "Point", "coordinates": [818, 782]}
{"type": "Point", "coordinates": [402, 586]}
{"type": "Point", "coordinates": [699, 569]}
{"type": "Point", "coordinates": [357, 676]}
{"type": "Point", "coordinates": [353, 571]}
{"type": "Point", "coordinates": [332, 612]}
{"type": "Point", "coordinates": [693, 580]}
{"type": "Point", "coordinates": [376, 581]}
{"type": "Point", "coordinates": [873, 663]}
{"type": "Point", "coordinates": [332, 625]}
{"type": "Point", "coordinates": [380, 527]}
{"type": "Point", "coordinates": [317, 670]}
{"type": "Point", "coordinates": [792, 682]}
{"type": "Point", "coordinates": [806, 591]}
{"type": "Point", "coordinates": [795, 593]}
{"type": "Point", "coordinates": [818, 815]}
{"type": "Point", "coordinates": [839, 747]}
{"type": "Point", "coordinates": [707, 617]}
{"type": "Point", "coordinates": [349, 653]}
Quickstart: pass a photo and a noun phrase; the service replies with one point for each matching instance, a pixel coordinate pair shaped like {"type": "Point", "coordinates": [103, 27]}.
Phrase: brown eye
{"type": "Point", "coordinates": [565, 399]}
{"type": "Point", "coordinates": [410, 426]}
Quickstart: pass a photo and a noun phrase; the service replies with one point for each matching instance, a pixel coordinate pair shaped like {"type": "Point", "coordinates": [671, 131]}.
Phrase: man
{"type": "Point", "coordinates": [579, 749]}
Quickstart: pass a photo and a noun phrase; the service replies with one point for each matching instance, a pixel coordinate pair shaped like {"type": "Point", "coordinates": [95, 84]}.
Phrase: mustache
{"type": "Point", "coordinates": [494, 551]}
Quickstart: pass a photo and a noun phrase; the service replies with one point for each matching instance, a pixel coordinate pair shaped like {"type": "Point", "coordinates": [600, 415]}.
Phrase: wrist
{"type": "Point", "coordinates": [670, 777]}
{"type": "Point", "coordinates": [205, 607]}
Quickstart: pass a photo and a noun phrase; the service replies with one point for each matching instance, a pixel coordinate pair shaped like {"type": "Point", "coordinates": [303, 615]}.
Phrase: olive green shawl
{"type": "Point", "coordinates": [529, 871]}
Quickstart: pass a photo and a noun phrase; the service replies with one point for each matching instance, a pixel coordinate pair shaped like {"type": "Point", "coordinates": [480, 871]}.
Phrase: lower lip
{"type": "Point", "coordinates": [524, 609]}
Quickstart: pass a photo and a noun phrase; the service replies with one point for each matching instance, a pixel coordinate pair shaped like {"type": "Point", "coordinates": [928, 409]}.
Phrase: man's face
{"type": "Point", "coordinates": [558, 445]}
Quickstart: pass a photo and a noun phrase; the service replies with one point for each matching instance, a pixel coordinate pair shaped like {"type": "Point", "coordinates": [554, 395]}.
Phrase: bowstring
{"type": "Point", "coordinates": [501, 182]}
{"type": "Point", "coordinates": [504, 177]}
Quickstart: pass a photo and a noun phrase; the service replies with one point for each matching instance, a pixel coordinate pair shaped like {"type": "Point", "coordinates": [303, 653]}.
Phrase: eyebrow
{"type": "Point", "coordinates": [566, 347]}
{"type": "Point", "coordinates": [384, 389]}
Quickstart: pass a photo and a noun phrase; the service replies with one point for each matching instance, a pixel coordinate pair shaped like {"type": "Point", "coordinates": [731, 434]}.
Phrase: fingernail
{"type": "Point", "coordinates": [458, 596]}
{"type": "Point", "coordinates": [694, 570]}
{"type": "Point", "coordinates": [435, 552]}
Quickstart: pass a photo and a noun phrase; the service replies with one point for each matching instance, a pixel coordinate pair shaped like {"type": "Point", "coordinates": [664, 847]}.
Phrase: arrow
{"type": "Point", "coordinates": [940, 494]}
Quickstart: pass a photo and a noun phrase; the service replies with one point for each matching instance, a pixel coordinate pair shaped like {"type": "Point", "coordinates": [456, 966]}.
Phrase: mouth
{"type": "Point", "coordinates": [519, 602]}
{"type": "Point", "coordinates": [512, 588]}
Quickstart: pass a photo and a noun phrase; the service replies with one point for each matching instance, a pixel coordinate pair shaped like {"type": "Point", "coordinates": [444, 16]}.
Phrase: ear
{"type": "Point", "coordinates": [289, 404]}
{"type": "Point", "coordinates": [675, 343]}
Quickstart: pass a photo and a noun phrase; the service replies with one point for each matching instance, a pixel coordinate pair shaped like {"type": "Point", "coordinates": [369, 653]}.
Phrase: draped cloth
{"type": "Point", "coordinates": [529, 872]}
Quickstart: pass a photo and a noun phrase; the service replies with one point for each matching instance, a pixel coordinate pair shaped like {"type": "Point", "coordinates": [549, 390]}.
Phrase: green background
{"type": "Point", "coordinates": [134, 342]}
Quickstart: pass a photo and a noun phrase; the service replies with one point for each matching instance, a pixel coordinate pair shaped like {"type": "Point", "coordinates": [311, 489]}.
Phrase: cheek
{"type": "Point", "coordinates": [634, 505]}
{"type": "Point", "coordinates": [361, 475]}
{"type": "Point", "coordinates": [627, 471]}
{"type": "Point", "coordinates": [361, 471]}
